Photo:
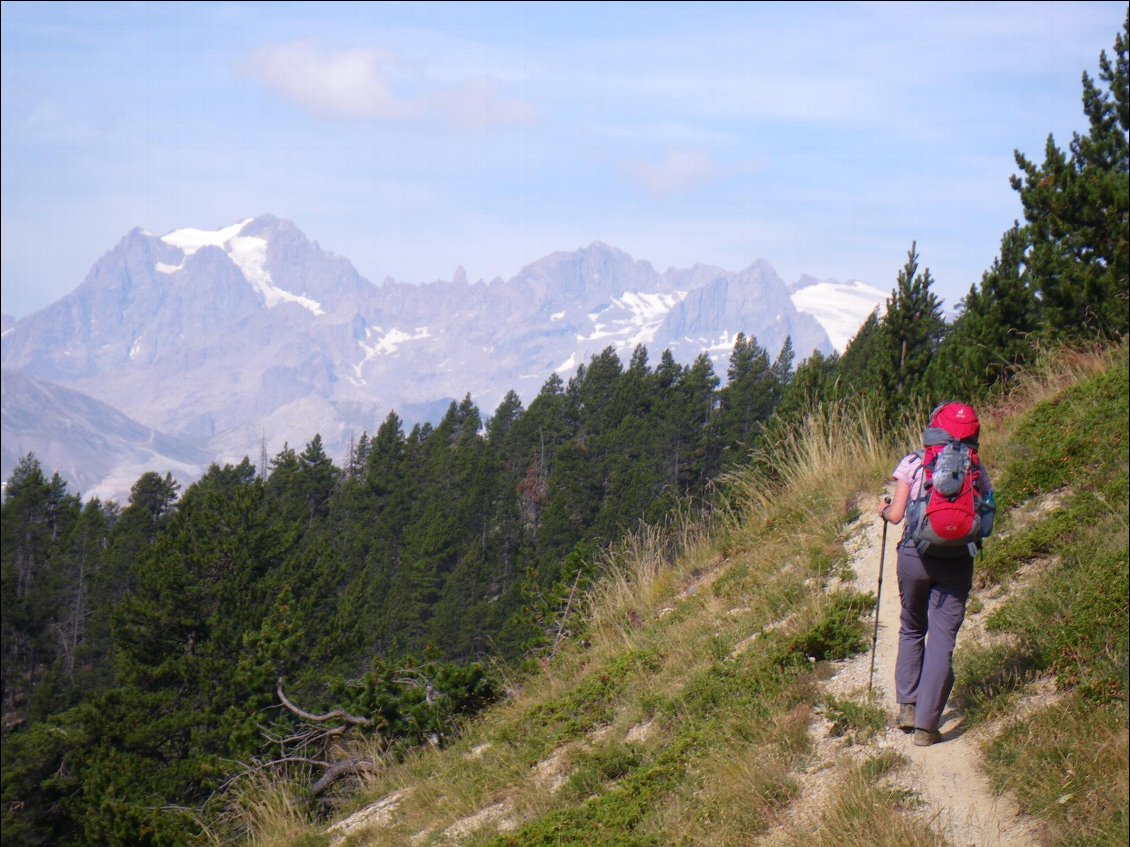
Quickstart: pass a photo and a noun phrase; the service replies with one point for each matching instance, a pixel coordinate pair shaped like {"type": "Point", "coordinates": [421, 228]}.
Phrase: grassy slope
{"type": "Point", "coordinates": [680, 716]}
{"type": "Point", "coordinates": [1066, 763]}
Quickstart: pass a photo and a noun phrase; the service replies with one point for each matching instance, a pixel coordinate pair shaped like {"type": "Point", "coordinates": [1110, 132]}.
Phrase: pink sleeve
{"type": "Point", "coordinates": [908, 471]}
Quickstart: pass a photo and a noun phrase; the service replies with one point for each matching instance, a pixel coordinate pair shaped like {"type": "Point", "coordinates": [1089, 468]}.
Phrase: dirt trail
{"type": "Point", "coordinates": [959, 801]}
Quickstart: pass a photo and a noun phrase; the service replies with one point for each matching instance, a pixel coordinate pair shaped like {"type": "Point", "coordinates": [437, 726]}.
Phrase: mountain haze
{"type": "Point", "coordinates": [251, 336]}
{"type": "Point", "coordinates": [91, 444]}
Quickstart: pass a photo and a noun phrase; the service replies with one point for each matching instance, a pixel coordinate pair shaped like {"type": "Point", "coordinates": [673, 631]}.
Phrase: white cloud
{"type": "Point", "coordinates": [350, 84]}
{"type": "Point", "coordinates": [680, 170]}
{"type": "Point", "coordinates": [364, 84]}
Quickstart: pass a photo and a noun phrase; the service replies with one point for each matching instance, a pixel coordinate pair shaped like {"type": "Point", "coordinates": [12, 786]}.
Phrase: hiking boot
{"type": "Point", "coordinates": [905, 720]}
{"type": "Point", "coordinates": [926, 737]}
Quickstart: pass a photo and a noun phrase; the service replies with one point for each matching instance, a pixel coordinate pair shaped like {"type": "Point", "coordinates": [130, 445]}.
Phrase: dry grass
{"type": "Point", "coordinates": [1067, 763]}
{"type": "Point", "coordinates": [1054, 370]}
{"type": "Point", "coordinates": [834, 449]}
{"type": "Point", "coordinates": [270, 809]}
{"type": "Point", "coordinates": [640, 576]}
{"type": "Point", "coordinates": [739, 789]}
{"type": "Point", "coordinates": [864, 809]}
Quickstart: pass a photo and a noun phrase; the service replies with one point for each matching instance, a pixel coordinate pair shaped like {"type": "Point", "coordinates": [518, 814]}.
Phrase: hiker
{"type": "Point", "coordinates": [935, 574]}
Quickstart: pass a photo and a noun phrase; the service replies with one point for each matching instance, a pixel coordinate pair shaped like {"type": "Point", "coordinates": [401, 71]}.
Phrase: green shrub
{"type": "Point", "coordinates": [840, 631]}
{"type": "Point", "coordinates": [1078, 436]}
{"type": "Point", "coordinates": [853, 719]}
{"type": "Point", "coordinates": [599, 765]}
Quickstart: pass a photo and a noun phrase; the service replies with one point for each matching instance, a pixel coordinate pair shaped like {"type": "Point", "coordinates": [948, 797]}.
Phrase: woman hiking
{"type": "Point", "coordinates": [935, 560]}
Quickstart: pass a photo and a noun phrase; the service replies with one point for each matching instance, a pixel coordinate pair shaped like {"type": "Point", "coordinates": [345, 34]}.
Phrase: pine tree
{"type": "Point", "coordinates": [37, 580]}
{"type": "Point", "coordinates": [782, 370]}
{"type": "Point", "coordinates": [856, 373]}
{"type": "Point", "coordinates": [1076, 206]}
{"type": "Point", "coordinates": [910, 332]}
{"type": "Point", "coordinates": [543, 429]}
{"type": "Point", "coordinates": [995, 331]}
{"type": "Point", "coordinates": [753, 389]}
{"type": "Point", "coordinates": [812, 383]}
{"type": "Point", "coordinates": [502, 422]}
{"type": "Point", "coordinates": [317, 477]}
{"type": "Point", "coordinates": [79, 563]}
{"type": "Point", "coordinates": [696, 453]}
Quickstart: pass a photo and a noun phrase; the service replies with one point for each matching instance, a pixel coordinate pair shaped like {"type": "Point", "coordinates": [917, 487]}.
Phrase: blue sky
{"type": "Point", "coordinates": [412, 138]}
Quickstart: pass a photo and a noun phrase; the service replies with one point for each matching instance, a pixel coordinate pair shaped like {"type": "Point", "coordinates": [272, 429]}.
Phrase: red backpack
{"type": "Point", "coordinates": [954, 508]}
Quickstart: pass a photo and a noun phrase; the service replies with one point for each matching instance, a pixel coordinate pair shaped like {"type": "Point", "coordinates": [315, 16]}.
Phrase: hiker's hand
{"type": "Point", "coordinates": [894, 508]}
{"type": "Point", "coordinates": [884, 503]}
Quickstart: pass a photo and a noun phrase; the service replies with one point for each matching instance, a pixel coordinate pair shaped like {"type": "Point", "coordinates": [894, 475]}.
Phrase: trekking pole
{"type": "Point", "coordinates": [878, 597]}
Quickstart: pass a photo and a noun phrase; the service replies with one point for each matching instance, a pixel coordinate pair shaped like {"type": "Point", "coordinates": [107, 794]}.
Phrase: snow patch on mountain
{"type": "Point", "coordinates": [724, 343]}
{"type": "Point", "coordinates": [249, 254]}
{"type": "Point", "coordinates": [190, 240]}
{"type": "Point", "coordinates": [388, 343]}
{"type": "Point", "coordinates": [391, 341]}
{"type": "Point", "coordinates": [839, 307]}
{"type": "Point", "coordinates": [632, 318]}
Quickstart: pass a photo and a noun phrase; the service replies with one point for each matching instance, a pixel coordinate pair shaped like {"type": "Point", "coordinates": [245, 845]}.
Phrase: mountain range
{"type": "Point", "coordinates": [200, 345]}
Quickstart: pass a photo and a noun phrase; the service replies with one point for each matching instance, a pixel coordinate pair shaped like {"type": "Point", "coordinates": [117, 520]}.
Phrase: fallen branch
{"type": "Point", "coordinates": [258, 766]}
{"type": "Point", "coordinates": [339, 769]}
{"type": "Point", "coordinates": [336, 714]}
{"type": "Point", "coordinates": [333, 770]}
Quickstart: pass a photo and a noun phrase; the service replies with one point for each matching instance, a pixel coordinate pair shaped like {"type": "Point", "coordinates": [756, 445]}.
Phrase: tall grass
{"type": "Point", "coordinates": [834, 447]}
{"type": "Point", "coordinates": [271, 809]}
{"type": "Point", "coordinates": [1053, 371]}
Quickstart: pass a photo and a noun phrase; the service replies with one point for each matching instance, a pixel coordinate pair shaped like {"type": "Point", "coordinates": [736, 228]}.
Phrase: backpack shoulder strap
{"type": "Point", "coordinates": [917, 458]}
{"type": "Point", "coordinates": [914, 459]}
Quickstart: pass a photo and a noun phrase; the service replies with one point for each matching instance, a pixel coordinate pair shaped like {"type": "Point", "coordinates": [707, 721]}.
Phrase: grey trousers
{"type": "Point", "coordinates": [933, 593]}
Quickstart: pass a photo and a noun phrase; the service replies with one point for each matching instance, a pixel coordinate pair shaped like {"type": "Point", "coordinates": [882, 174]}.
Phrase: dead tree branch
{"type": "Point", "coordinates": [337, 769]}
{"type": "Point", "coordinates": [336, 714]}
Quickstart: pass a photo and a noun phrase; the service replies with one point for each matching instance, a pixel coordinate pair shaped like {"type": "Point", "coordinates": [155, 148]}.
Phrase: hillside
{"type": "Point", "coordinates": [715, 689]}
